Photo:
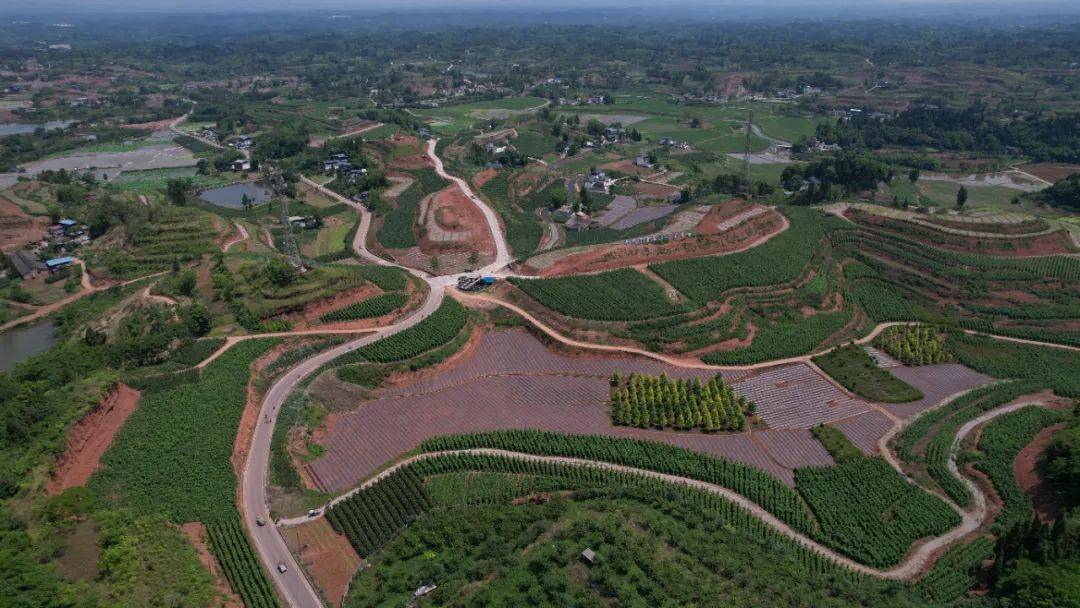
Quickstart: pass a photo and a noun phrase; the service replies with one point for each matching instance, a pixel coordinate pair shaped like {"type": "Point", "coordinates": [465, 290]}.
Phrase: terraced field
{"type": "Point", "coordinates": [514, 381]}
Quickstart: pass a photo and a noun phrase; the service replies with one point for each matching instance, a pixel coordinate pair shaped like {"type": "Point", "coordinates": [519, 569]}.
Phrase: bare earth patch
{"type": "Point", "coordinates": [751, 233]}
{"type": "Point", "coordinates": [483, 177]}
{"type": "Point", "coordinates": [328, 556]}
{"type": "Point", "coordinates": [17, 229]}
{"type": "Point", "coordinates": [91, 436]}
{"type": "Point", "coordinates": [1030, 480]}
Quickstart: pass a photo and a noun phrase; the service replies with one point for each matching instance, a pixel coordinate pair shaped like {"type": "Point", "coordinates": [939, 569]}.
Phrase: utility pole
{"type": "Point", "coordinates": [746, 156]}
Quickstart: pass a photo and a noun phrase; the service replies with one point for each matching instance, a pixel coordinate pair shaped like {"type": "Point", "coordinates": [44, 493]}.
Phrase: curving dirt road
{"type": "Point", "coordinates": [87, 288]}
{"type": "Point", "coordinates": [502, 251]}
{"type": "Point", "coordinates": [912, 565]}
{"type": "Point", "coordinates": [243, 236]}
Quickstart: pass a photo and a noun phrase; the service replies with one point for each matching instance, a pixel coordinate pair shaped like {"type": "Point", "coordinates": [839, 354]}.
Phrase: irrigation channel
{"type": "Point", "coordinates": [297, 590]}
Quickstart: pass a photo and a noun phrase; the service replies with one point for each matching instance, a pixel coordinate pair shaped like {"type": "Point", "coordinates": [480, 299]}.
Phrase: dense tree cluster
{"type": "Point", "coordinates": [830, 178]}
{"type": "Point", "coordinates": [915, 345]}
{"type": "Point", "coordinates": [660, 402]}
{"type": "Point", "coordinates": [1044, 137]}
{"type": "Point", "coordinates": [1064, 194]}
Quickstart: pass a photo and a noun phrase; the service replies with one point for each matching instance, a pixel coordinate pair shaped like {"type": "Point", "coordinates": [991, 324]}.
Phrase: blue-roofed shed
{"type": "Point", "coordinates": [58, 263]}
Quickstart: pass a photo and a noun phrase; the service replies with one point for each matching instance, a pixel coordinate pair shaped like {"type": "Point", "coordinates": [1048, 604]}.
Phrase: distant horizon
{"type": "Point", "coordinates": [722, 10]}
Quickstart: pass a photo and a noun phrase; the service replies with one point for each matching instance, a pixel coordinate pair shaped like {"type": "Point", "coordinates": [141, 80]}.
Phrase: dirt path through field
{"type": "Point", "coordinates": [243, 236]}
{"type": "Point", "coordinates": [87, 288]}
{"type": "Point", "coordinates": [196, 534]}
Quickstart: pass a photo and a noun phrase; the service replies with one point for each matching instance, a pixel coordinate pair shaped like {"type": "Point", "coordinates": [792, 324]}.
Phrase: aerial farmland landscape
{"type": "Point", "coordinates": [471, 303]}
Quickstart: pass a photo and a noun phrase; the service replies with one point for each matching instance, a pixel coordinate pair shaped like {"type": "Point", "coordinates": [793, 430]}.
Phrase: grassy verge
{"type": "Point", "coordinates": [853, 368]}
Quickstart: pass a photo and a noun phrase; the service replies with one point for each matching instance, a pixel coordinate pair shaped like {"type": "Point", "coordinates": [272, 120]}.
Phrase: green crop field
{"type": "Point", "coordinates": [619, 295]}
{"type": "Point", "coordinates": [999, 444]}
{"type": "Point", "coordinates": [852, 367]}
{"type": "Point", "coordinates": [869, 512]}
{"type": "Point", "coordinates": [172, 455]}
{"type": "Point", "coordinates": [436, 330]}
{"type": "Point", "coordinates": [149, 181]}
{"type": "Point", "coordinates": [779, 260]}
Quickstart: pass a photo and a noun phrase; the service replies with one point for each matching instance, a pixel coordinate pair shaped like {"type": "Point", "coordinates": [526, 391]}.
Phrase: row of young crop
{"type": "Point", "coordinates": [438, 329]}
{"type": "Point", "coordinates": [782, 338]}
{"type": "Point", "coordinates": [887, 295]}
{"type": "Point", "coordinates": [473, 488]}
{"type": "Point", "coordinates": [757, 485]}
{"type": "Point", "coordinates": [962, 266]}
{"type": "Point", "coordinates": [953, 575]}
{"type": "Point", "coordinates": [585, 482]}
{"type": "Point", "coordinates": [242, 568]}
{"type": "Point", "coordinates": [370, 518]}
{"type": "Point", "coordinates": [619, 295]}
{"type": "Point", "coordinates": [1056, 368]}
{"type": "Point", "coordinates": [375, 306]}
{"type": "Point", "coordinates": [658, 401]}
{"type": "Point", "coordinates": [869, 512]}
{"type": "Point", "coordinates": [589, 482]}
{"type": "Point", "coordinates": [941, 426]}
{"type": "Point", "coordinates": [688, 332]}
{"type": "Point", "coordinates": [1000, 442]}
{"type": "Point", "coordinates": [780, 260]}
{"type": "Point", "coordinates": [386, 278]}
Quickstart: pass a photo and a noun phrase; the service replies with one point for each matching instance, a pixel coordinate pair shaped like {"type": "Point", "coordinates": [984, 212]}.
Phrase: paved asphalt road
{"type": "Point", "coordinates": [296, 590]}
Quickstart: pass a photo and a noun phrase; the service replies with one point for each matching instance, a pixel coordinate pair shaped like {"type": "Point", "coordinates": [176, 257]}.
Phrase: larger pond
{"type": "Point", "coordinates": [16, 128]}
{"type": "Point", "coordinates": [232, 196]}
{"type": "Point", "coordinates": [20, 344]}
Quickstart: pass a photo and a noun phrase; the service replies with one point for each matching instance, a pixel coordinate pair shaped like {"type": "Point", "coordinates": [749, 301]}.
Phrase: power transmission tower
{"type": "Point", "coordinates": [276, 182]}
{"type": "Point", "coordinates": [746, 156]}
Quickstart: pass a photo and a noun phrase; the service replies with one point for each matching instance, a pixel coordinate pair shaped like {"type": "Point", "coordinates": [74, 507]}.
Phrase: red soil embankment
{"type": "Point", "coordinates": [91, 436]}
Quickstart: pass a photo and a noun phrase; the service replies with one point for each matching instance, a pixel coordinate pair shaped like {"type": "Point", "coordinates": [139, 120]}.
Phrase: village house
{"type": "Point", "coordinates": [25, 263]}
{"type": "Point", "coordinates": [598, 181]}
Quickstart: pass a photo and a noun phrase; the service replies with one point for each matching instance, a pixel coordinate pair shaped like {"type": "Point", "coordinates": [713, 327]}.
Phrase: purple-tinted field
{"type": "Point", "coordinates": [514, 381]}
{"type": "Point", "coordinates": [797, 397]}
{"type": "Point", "coordinates": [865, 429]}
{"type": "Point", "coordinates": [936, 382]}
{"type": "Point", "coordinates": [360, 442]}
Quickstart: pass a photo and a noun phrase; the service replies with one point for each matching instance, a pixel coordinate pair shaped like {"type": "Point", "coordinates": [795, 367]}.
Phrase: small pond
{"type": "Point", "coordinates": [232, 196]}
{"type": "Point", "coordinates": [15, 128]}
{"type": "Point", "coordinates": [19, 344]}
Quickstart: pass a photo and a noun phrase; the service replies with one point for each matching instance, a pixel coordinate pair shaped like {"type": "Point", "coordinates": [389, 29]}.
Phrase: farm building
{"type": "Point", "coordinates": [67, 225]}
{"type": "Point", "coordinates": [25, 263]}
{"type": "Point", "coordinates": [241, 164]}
{"type": "Point", "coordinates": [598, 182]}
{"type": "Point", "coordinates": [588, 556]}
{"type": "Point", "coordinates": [58, 263]}
{"type": "Point", "coordinates": [303, 221]}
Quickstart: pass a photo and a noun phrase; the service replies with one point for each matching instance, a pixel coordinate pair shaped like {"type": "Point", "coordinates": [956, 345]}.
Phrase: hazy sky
{"type": "Point", "coordinates": [854, 7]}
